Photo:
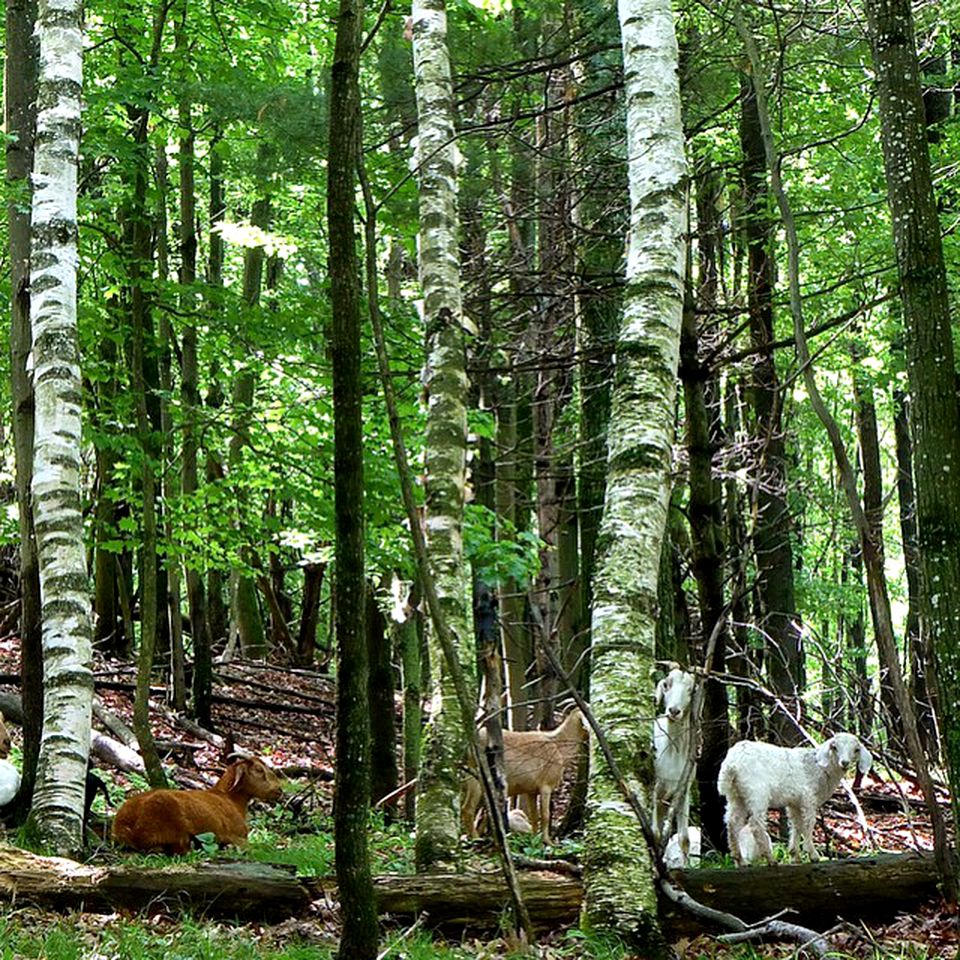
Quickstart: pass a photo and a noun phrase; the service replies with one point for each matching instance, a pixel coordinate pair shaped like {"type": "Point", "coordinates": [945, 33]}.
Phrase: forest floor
{"type": "Point", "coordinates": [288, 716]}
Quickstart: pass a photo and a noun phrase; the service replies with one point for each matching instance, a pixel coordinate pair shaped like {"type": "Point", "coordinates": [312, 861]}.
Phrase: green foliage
{"type": "Point", "coordinates": [26, 937]}
{"type": "Point", "coordinates": [498, 552]}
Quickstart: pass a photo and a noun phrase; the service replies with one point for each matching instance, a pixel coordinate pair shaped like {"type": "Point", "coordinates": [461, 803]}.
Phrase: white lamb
{"type": "Point", "coordinates": [674, 750]}
{"type": "Point", "coordinates": [673, 856]}
{"type": "Point", "coordinates": [757, 776]}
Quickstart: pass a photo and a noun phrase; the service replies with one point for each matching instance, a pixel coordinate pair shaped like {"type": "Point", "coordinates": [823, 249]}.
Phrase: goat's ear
{"type": "Point", "coordinates": [865, 761]}
{"type": "Point", "coordinates": [237, 770]}
{"type": "Point", "coordinates": [823, 752]}
{"type": "Point", "coordinates": [660, 692]}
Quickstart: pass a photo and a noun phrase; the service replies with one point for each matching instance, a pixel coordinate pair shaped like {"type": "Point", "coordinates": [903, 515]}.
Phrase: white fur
{"type": "Point", "coordinates": [756, 776]}
{"type": "Point", "coordinates": [673, 856]}
{"type": "Point", "coordinates": [518, 822]}
{"type": "Point", "coordinates": [674, 748]}
{"type": "Point", "coordinates": [9, 782]}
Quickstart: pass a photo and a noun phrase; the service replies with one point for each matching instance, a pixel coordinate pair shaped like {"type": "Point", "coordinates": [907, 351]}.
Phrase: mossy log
{"type": "Point", "coordinates": [870, 888]}
{"type": "Point", "coordinates": [255, 891]}
{"type": "Point", "coordinates": [816, 894]}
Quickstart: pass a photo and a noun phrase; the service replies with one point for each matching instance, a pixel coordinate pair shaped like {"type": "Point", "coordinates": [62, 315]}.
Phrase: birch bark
{"type": "Point", "coordinates": [620, 893]}
{"type": "Point", "coordinates": [438, 822]}
{"type": "Point", "coordinates": [64, 588]}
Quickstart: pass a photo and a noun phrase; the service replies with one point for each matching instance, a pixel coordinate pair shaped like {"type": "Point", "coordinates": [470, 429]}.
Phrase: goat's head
{"type": "Point", "coordinates": [675, 691]}
{"type": "Point", "coordinates": [843, 749]}
{"type": "Point", "coordinates": [576, 723]}
{"type": "Point", "coordinates": [4, 738]}
{"type": "Point", "coordinates": [251, 777]}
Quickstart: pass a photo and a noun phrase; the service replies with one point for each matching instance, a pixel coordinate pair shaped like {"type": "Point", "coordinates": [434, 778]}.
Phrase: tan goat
{"type": "Point", "coordinates": [167, 820]}
{"type": "Point", "coordinates": [534, 762]}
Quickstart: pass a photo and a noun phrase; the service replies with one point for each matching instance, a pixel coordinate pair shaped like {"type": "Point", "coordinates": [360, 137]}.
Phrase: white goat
{"type": "Point", "coordinates": [674, 750]}
{"type": "Point", "coordinates": [756, 776]}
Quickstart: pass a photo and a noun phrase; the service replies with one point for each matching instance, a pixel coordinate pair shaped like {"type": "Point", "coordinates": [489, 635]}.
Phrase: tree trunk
{"type": "Point", "coordinates": [170, 487]}
{"type": "Point", "coordinates": [189, 380]}
{"type": "Point", "coordinates": [514, 637]}
{"type": "Point", "coordinates": [438, 820]}
{"type": "Point", "coordinates": [869, 442]}
{"type": "Point", "coordinates": [20, 82]}
{"type": "Point", "coordinates": [620, 894]}
{"type": "Point", "coordinates": [217, 616]}
{"type": "Point", "coordinates": [383, 718]}
{"type": "Point", "coordinates": [931, 370]}
{"type": "Point", "coordinates": [246, 622]}
{"type": "Point", "coordinates": [57, 811]}
{"type": "Point", "coordinates": [313, 574]}
{"type": "Point", "coordinates": [771, 535]}
{"type": "Point", "coordinates": [555, 591]}
{"type": "Point", "coordinates": [352, 785]}
{"type": "Point", "coordinates": [706, 508]}
{"type": "Point", "coordinates": [408, 641]}
{"type": "Point", "coordinates": [919, 656]}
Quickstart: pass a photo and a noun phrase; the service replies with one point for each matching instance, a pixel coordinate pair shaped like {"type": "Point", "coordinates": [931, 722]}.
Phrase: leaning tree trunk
{"type": "Point", "coordinates": [352, 791]}
{"type": "Point", "coordinates": [438, 821]}
{"type": "Point", "coordinates": [929, 345]}
{"type": "Point", "coordinates": [20, 117]}
{"type": "Point", "coordinates": [65, 602]}
{"type": "Point", "coordinates": [620, 891]}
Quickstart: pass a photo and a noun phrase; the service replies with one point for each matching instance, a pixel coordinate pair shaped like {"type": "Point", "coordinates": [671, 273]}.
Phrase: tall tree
{"type": "Point", "coordinates": [438, 821]}
{"type": "Point", "coordinates": [352, 785]}
{"type": "Point", "coordinates": [65, 602]}
{"type": "Point", "coordinates": [20, 81]}
{"type": "Point", "coordinates": [620, 894]}
{"type": "Point", "coordinates": [771, 535]}
{"type": "Point", "coordinates": [928, 337]}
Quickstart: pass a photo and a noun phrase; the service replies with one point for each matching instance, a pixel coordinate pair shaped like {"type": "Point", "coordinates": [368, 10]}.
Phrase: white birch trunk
{"type": "Point", "coordinates": [64, 586]}
{"type": "Point", "coordinates": [620, 893]}
{"type": "Point", "coordinates": [446, 438]}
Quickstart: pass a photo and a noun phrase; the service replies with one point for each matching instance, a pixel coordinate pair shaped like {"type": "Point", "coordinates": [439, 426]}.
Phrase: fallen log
{"type": "Point", "coordinates": [817, 894]}
{"type": "Point", "coordinates": [255, 891]}
{"type": "Point", "coordinates": [250, 891]}
{"type": "Point", "coordinates": [863, 888]}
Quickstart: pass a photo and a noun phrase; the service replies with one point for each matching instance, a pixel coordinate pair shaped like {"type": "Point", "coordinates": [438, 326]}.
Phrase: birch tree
{"type": "Point", "coordinates": [928, 336]}
{"type": "Point", "coordinates": [438, 823]}
{"type": "Point", "coordinates": [620, 894]}
{"type": "Point", "coordinates": [64, 591]}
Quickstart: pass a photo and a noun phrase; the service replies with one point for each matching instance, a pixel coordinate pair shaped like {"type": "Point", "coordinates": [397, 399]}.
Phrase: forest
{"type": "Point", "coordinates": [515, 444]}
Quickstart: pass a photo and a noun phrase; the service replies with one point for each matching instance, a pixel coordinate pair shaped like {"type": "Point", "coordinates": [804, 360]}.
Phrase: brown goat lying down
{"type": "Point", "coordinates": [533, 761]}
{"type": "Point", "coordinates": [167, 820]}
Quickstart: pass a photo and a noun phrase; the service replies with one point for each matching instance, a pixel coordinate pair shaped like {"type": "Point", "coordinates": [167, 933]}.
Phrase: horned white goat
{"type": "Point", "coordinates": [756, 776]}
{"type": "Point", "coordinates": [674, 746]}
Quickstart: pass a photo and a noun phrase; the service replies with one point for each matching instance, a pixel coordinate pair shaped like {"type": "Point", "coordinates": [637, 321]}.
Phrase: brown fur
{"type": "Point", "coordinates": [4, 738]}
{"type": "Point", "coordinates": [534, 762]}
{"type": "Point", "coordinates": [167, 820]}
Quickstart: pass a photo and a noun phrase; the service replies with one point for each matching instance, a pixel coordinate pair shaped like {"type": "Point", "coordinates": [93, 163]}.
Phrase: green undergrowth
{"type": "Point", "coordinates": [25, 935]}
